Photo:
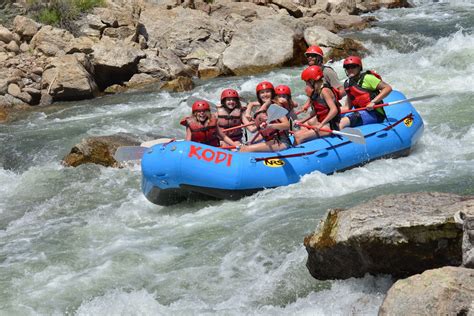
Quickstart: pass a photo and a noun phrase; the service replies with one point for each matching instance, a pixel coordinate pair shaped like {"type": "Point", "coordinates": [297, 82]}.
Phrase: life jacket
{"type": "Point", "coordinates": [336, 92]}
{"type": "Point", "coordinates": [269, 134]}
{"type": "Point", "coordinates": [359, 96]}
{"type": "Point", "coordinates": [228, 120]}
{"type": "Point", "coordinates": [321, 108]}
{"type": "Point", "coordinates": [205, 134]}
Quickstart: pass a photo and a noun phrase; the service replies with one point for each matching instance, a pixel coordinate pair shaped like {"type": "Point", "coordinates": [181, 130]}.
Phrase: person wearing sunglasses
{"type": "Point", "coordinates": [314, 55]}
{"type": "Point", "coordinates": [364, 90]}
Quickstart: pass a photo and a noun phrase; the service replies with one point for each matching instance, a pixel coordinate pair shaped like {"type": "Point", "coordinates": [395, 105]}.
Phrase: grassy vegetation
{"type": "Point", "coordinates": [60, 13]}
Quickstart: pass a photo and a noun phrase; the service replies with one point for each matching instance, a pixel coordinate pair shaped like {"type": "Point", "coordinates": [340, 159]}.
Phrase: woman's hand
{"type": "Point", "coordinates": [370, 106]}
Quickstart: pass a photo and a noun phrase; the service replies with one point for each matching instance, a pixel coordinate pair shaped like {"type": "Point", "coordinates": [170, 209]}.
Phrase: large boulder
{"type": "Point", "coordinates": [444, 291]}
{"type": "Point", "coordinates": [98, 150]}
{"type": "Point", "coordinates": [51, 41]}
{"type": "Point", "coordinates": [190, 34]}
{"type": "Point", "coordinates": [401, 234]}
{"type": "Point", "coordinates": [68, 78]}
{"type": "Point", "coordinates": [115, 61]}
{"type": "Point", "coordinates": [257, 47]}
{"type": "Point", "coordinates": [25, 27]}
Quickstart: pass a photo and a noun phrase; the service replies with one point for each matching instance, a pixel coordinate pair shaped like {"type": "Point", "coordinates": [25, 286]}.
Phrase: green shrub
{"type": "Point", "coordinates": [86, 5]}
{"type": "Point", "coordinates": [49, 16]}
{"type": "Point", "coordinates": [60, 13]}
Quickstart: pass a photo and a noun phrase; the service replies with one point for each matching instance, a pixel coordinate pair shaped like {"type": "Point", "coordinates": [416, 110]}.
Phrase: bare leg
{"type": "Point", "coordinates": [344, 122]}
{"type": "Point", "coordinates": [272, 145]}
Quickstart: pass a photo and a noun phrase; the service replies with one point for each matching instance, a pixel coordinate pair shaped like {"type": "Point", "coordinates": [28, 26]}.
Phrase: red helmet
{"type": "Point", "coordinates": [229, 93]}
{"type": "Point", "coordinates": [264, 85]}
{"type": "Point", "coordinates": [352, 60]}
{"type": "Point", "coordinates": [314, 50]}
{"type": "Point", "coordinates": [312, 73]}
{"type": "Point", "coordinates": [282, 89]}
{"type": "Point", "coordinates": [201, 105]}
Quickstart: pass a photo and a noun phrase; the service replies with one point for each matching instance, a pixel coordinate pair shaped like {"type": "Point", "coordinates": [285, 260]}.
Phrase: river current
{"type": "Point", "coordinates": [85, 240]}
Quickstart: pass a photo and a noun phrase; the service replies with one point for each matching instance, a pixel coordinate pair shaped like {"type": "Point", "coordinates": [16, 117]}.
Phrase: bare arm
{"type": "Point", "coordinates": [385, 90]}
{"type": "Point", "coordinates": [226, 138]}
{"type": "Point", "coordinates": [329, 98]}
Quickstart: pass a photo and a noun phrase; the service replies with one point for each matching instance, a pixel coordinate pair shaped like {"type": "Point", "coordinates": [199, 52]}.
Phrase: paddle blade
{"type": "Point", "coordinates": [275, 112]}
{"type": "Point", "coordinates": [353, 134]}
{"type": "Point", "coordinates": [127, 153]}
{"type": "Point", "coordinates": [154, 142]}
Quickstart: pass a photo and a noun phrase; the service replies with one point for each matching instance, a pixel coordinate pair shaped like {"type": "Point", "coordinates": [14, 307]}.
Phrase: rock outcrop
{"type": "Point", "coordinates": [130, 44]}
{"type": "Point", "coordinates": [400, 235]}
{"type": "Point", "coordinates": [444, 291]}
{"type": "Point", "coordinates": [98, 150]}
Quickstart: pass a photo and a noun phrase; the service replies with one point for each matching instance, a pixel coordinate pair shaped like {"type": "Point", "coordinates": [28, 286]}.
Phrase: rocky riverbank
{"type": "Point", "coordinates": [132, 44]}
{"type": "Point", "coordinates": [403, 235]}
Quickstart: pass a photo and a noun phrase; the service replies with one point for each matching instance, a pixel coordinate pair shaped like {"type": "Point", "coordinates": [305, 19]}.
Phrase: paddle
{"type": "Point", "coordinates": [274, 112]}
{"type": "Point", "coordinates": [353, 134]}
{"type": "Point", "coordinates": [127, 153]}
{"type": "Point", "coordinates": [423, 97]}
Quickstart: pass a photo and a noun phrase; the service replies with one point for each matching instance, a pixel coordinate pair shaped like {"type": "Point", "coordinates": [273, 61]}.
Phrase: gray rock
{"type": "Point", "coordinates": [115, 61]}
{"type": "Point", "coordinates": [3, 85]}
{"type": "Point", "coordinates": [25, 27]}
{"type": "Point", "coordinates": [256, 47]}
{"type": "Point", "coordinates": [51, 41]}
{"type": "Point", "coordinates": [343, 22]}
{"type": "Point", "coordinates": [290, 7]}
{"type": "Point", "coordinates": [318, 35]}
{"type": "Point", "coordinates": [444, 291]}
{"type": "Point", "coordinates": [6, 35]}
{"type": "Point", "coordinates": [24, 47]}
{"type": "Point", "coordinates": [13, 47]}
{"type": "Point", "coordinates": [67, 79]}
{"type": "Point", "coordinates": [465, 219]}
{"type": "Point", "coordinates": [25, 97]}
{"type": "Point", "coordinates": [89, 25]}
{"type": "Point", "coordinates": [81, 44]}
{"type": "Point", "coordinates": [401, 234]}
{"type": "Point", "coordinates": [14, 89]}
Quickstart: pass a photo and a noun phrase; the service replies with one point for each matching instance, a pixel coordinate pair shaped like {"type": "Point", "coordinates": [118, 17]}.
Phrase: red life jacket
{"type": "Point", "coordinates": [321, 108]}
{"type": "Point", "coordinates": [336, 92]}
{"type": "Point", "coordinates": [228, 120]}
{"type": "Point", "coordinates": [359, 96]}
{"type": "Point", "coordinates": [205, 134]}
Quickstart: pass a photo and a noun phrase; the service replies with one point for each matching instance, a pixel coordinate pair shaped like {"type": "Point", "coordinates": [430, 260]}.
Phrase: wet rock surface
{"type": "Point", "coordinates": [444, 291]}
{"type": "Point", "coordinates": [401, 235]}
{"type": "Point", "coordinates": [99, 150]}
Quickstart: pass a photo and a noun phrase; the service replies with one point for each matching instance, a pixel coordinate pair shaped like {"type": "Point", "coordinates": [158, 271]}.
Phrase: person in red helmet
{"type": "Point", "coordinates": [314, 54]}
{"type": "Point", "coordinates": [283, 99]}
{"type": "Point", "coordinates": [325, 108]}
{"type": "Point", "coordinates": [364, 89]}
{"type": "Point", "coordinates": [230, 113]}
{"type": "Point", "coordinates": [202, 127]}
{"type": "Point", "coordinates": [274, 134]}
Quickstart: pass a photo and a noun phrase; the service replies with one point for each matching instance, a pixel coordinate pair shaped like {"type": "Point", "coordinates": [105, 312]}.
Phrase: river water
{"type": "Point", "coordinates": [85, 241]}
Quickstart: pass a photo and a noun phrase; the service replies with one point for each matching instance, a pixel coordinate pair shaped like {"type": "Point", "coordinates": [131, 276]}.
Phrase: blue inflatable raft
{"type": "Point", "coordinates": [183, 170]}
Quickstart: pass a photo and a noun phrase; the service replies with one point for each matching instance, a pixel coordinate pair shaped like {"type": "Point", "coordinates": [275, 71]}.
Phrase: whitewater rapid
{"type": "Point", "coordinates": [85, 241]}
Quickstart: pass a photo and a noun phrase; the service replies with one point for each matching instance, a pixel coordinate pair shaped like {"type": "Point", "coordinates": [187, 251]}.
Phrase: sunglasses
{"type": "Point", "coordinates": [351, 66]}
{"type": "Point", "coordinates": [312, 55]}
